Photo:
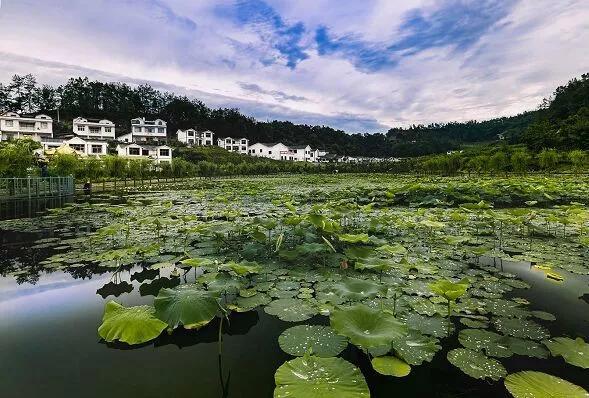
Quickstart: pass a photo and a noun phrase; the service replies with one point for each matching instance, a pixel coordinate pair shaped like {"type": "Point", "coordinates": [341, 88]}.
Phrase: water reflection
{"type": "Point", "coordinates": [114, 289]}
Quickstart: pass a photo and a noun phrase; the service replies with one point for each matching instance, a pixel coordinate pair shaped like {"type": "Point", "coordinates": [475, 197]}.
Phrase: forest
{"type": "Point", "coordinates": [560, 122]}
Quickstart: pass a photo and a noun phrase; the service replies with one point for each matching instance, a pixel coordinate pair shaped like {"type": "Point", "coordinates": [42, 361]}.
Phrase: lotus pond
{"type": "Point", "coordinates": [303, 286]}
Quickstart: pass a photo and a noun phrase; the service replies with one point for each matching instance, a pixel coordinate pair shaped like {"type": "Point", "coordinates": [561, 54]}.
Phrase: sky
{"type": "Point", "coordinates": [357, 65]}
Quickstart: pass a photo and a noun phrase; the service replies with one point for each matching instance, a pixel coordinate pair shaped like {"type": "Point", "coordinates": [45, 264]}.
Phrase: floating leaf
{"type": "Point", "coordinates": [575, 352]}
{"type": "Point", "coordinates": [475, 364]}
{"type": "Point", "coordinates": [131, 325]}
{"type": "Point", "coordinates": [530, 384]}
{"type": "Point", "coordinates": [245, 304]}
{"type": "Point", "coordinates": [186, 305]}
{"type": "Point", "coordinates": [367, 327]}
{"type": "Point", "coordinates": [390, 366]}
{"type": "Point", "coordinates": [291, 310]}
{"type": "Point", "coordinates": [357, 289]}
{"type": "Point", "coordinates": [434, 326]}
{"type": "Point", "coordinates": [319, 340]}
{"type": "Point", "coordinates": [416, 348]}
{"type": "Point", "coordinates": [315, 377]}
{"type": "Point", "coordinates": [522, 328]}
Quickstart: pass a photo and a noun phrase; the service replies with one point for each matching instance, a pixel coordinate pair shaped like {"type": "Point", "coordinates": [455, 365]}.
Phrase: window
{"type": "Point", "coordinates": [243, 148]}
{"type": "Point", "coordinates": [107, 129]}
{"type": "Point", "coordinates": [134, 151]}
{"type": "Point", "coordinates": [43, 125]}
{"type": "Point", "coordinates": [145, 152]}
{"type": "Point", "coordinates": [9, 123]}
{"type": "Point", "coordinates": [150, 129]}
{"type": "Point", "coordinates": [160, 123]}
{"type": "Point", "coordinates": [164, 152]}
{"type": "Point", "coordinates": [260, 150]}
{"type": "Point", "coordinates": [77, 147]}
{"type": "Point", "coordinates": [160, 130]}
{"type": "Point", "coordinates": [269, 152]}
{"type": "Point", "coordinates": [136, 129]}
{"type": "Point", "coordinates": [243, 141]}
{"type": "Point", "coordinates": [191, 141]}
{"type": "Point", "coordinates": [191, 133]}
{"type": "Point", "coordinates": [81, 128]}
{"type": "Point", "coordinates": [94, 130]}
{"type": "Point", "coordinates": [96, 148]}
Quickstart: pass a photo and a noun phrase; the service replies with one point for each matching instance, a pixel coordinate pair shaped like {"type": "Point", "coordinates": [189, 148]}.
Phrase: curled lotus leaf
{"type": "Point", "coordinates": [318, 340]}
{"type": "Point", "coordinates": [354, 238]}
{"type": "Point", "coordinates": [575, 352]}
{"type": "Point", "coordinates": [390, 366]}
{"type": "Point", "coordinates": [244, 268]}
{"type": "Point", "coordinates": [187, 305]}
{"type": "Point", "coordinates": [448, 289]}
{"type": "Point", "coordinates": [291, 310]}
{"type": "Point", "coordinates": [367, 327]}
{"type": "Point", "coordinates": [131, 325]}
{"type": "Point", "coordinates": [476, 364]}
{"type": "Point", "coordinates": [315, 377]}
{"type": "Point", "coordinates": [530, 384]}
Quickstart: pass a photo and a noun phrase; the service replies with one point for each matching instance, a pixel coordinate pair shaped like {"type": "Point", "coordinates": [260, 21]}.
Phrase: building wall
{"type": "Point", "coordinates": [239, 145]}
{"type": "Point", "coordinates": [104, 129]}
{"type": "Point", "coordinates": [14, 126]}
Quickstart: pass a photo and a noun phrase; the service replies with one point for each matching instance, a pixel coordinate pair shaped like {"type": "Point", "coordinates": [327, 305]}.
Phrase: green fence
{"type": "Point", "coordinates": [36, 187]}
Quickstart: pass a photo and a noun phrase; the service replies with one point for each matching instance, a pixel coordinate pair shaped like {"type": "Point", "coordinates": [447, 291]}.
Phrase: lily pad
{"type": "Point", "coordinates": [315, 377]}
{"type": "Point", "coordinates": [319, 340]}
{"type": "Point", "coordinates": [530, 384]}
{"type": "Point", "coordinates": [186, 305]}
{"type": "Point", "coordinates": [291, 310]}
{"type": "Point", "coordinates": [391, 366]}
{"type": "Point", "coordinates": [367, 327]}
{"type": "Point", "coordinates": [522, 328]}
{"type": "Point", "coordinates": [416, 348]}
{"type": "Point", "coordinates": [575, 352]}
{"type": "Point", "coordinates": [131, 325]}
{"type": "Point", "coordinates": [475, 364]}
{"type": "Point", "coordinates": [354, 289]}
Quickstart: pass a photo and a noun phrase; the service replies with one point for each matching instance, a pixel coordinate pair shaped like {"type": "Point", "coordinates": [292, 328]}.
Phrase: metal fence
{"type": "Point", "coordinates": [36, 187]}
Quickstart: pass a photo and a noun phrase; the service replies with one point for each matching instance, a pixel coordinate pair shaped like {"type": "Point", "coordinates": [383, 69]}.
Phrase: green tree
{"type": "Point", "coordinates": [520, 161]}
{"type": "Point", "coordinates": [578, 160]}
{"type": "Point", "coordinates": [498, 162]}
{"type": "Point", "coordinates": [548, 160]}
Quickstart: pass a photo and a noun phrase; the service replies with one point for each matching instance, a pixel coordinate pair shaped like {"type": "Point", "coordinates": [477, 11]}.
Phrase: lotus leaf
{"type": "Point", "coordinates": [530, 384]}
{"type": "Point", "coordinates": [245, 304]}
{"type": "Point", "coordinates": [351, 238]}
{"type": "Point", "coordinates": [318, 340]}
{"type": "Point", "coordinates": [575, 352]}
{"type": "Point", "coordinates": [291, 310]}
{"type": "Point", "coordinates": [354, 289]}
{"type": "Point", "coordinates": [434, 326]}
{"type": "Point", "coordinates": [521, 328]}
{"type": "Point", "coordinates": [315, 377]}
{"type": "Point", "coordinates": [416, 348]}
{"type": "Point", "coordinates": [131, 325]}
{"type": "Point", "coordinates": [367, 327]}
{"type": "Point", "coordinates": [390, 366]}
{"type": "Point", "coordinates": [475, 364]}
{"type": "Point", "coordinates": [186, 305]}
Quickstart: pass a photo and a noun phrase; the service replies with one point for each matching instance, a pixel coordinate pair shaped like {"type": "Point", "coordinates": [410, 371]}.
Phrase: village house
{"type": "Point", "coordinates": [279, 151]}
{"type": "Point", "coordinates": [143, 130]}
{"type": "Point", "coordinates": [192, 137]}
{"type": "Point", "coordinates": [157, 153]}
{"type": "Point", "coordinates": [81, 146]}
{"type": "Point", "coordinates": [94, 128]}
{"type": "Point", "coordinates": [14, 126]}
{"type": "Point", "coordinates": [239, 145]}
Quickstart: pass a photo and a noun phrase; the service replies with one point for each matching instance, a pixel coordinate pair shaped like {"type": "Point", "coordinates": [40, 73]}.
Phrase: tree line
{"type": "Point", "coordinates": [561, 122]}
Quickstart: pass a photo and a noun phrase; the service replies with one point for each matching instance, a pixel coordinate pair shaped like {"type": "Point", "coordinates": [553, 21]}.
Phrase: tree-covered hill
{"type": "Point", "coordinates": [561, 122]}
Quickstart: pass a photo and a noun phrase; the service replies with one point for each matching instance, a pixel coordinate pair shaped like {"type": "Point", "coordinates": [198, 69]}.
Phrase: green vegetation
{"type": "Point", "coordinates": [398, 266]}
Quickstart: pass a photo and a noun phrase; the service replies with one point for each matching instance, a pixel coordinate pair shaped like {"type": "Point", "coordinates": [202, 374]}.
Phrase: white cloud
{"type": "Point", "coordinates": [190, 46]}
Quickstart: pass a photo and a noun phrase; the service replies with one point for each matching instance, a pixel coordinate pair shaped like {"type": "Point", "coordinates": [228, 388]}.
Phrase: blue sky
{"type": "Point", "coordinates": [362, 66]}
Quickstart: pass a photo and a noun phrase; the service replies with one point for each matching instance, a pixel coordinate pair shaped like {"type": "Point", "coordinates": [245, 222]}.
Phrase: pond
{"type": "Point", "coordinates": [61, 268]}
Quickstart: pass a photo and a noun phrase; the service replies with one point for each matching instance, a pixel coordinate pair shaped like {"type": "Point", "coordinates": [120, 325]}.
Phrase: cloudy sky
{"type": "Point", "coordinates": [359, 65]}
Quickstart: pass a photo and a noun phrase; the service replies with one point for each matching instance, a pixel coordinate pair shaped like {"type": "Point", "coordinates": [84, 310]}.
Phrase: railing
{"type": "Point", "coordinates": [36, 187]}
